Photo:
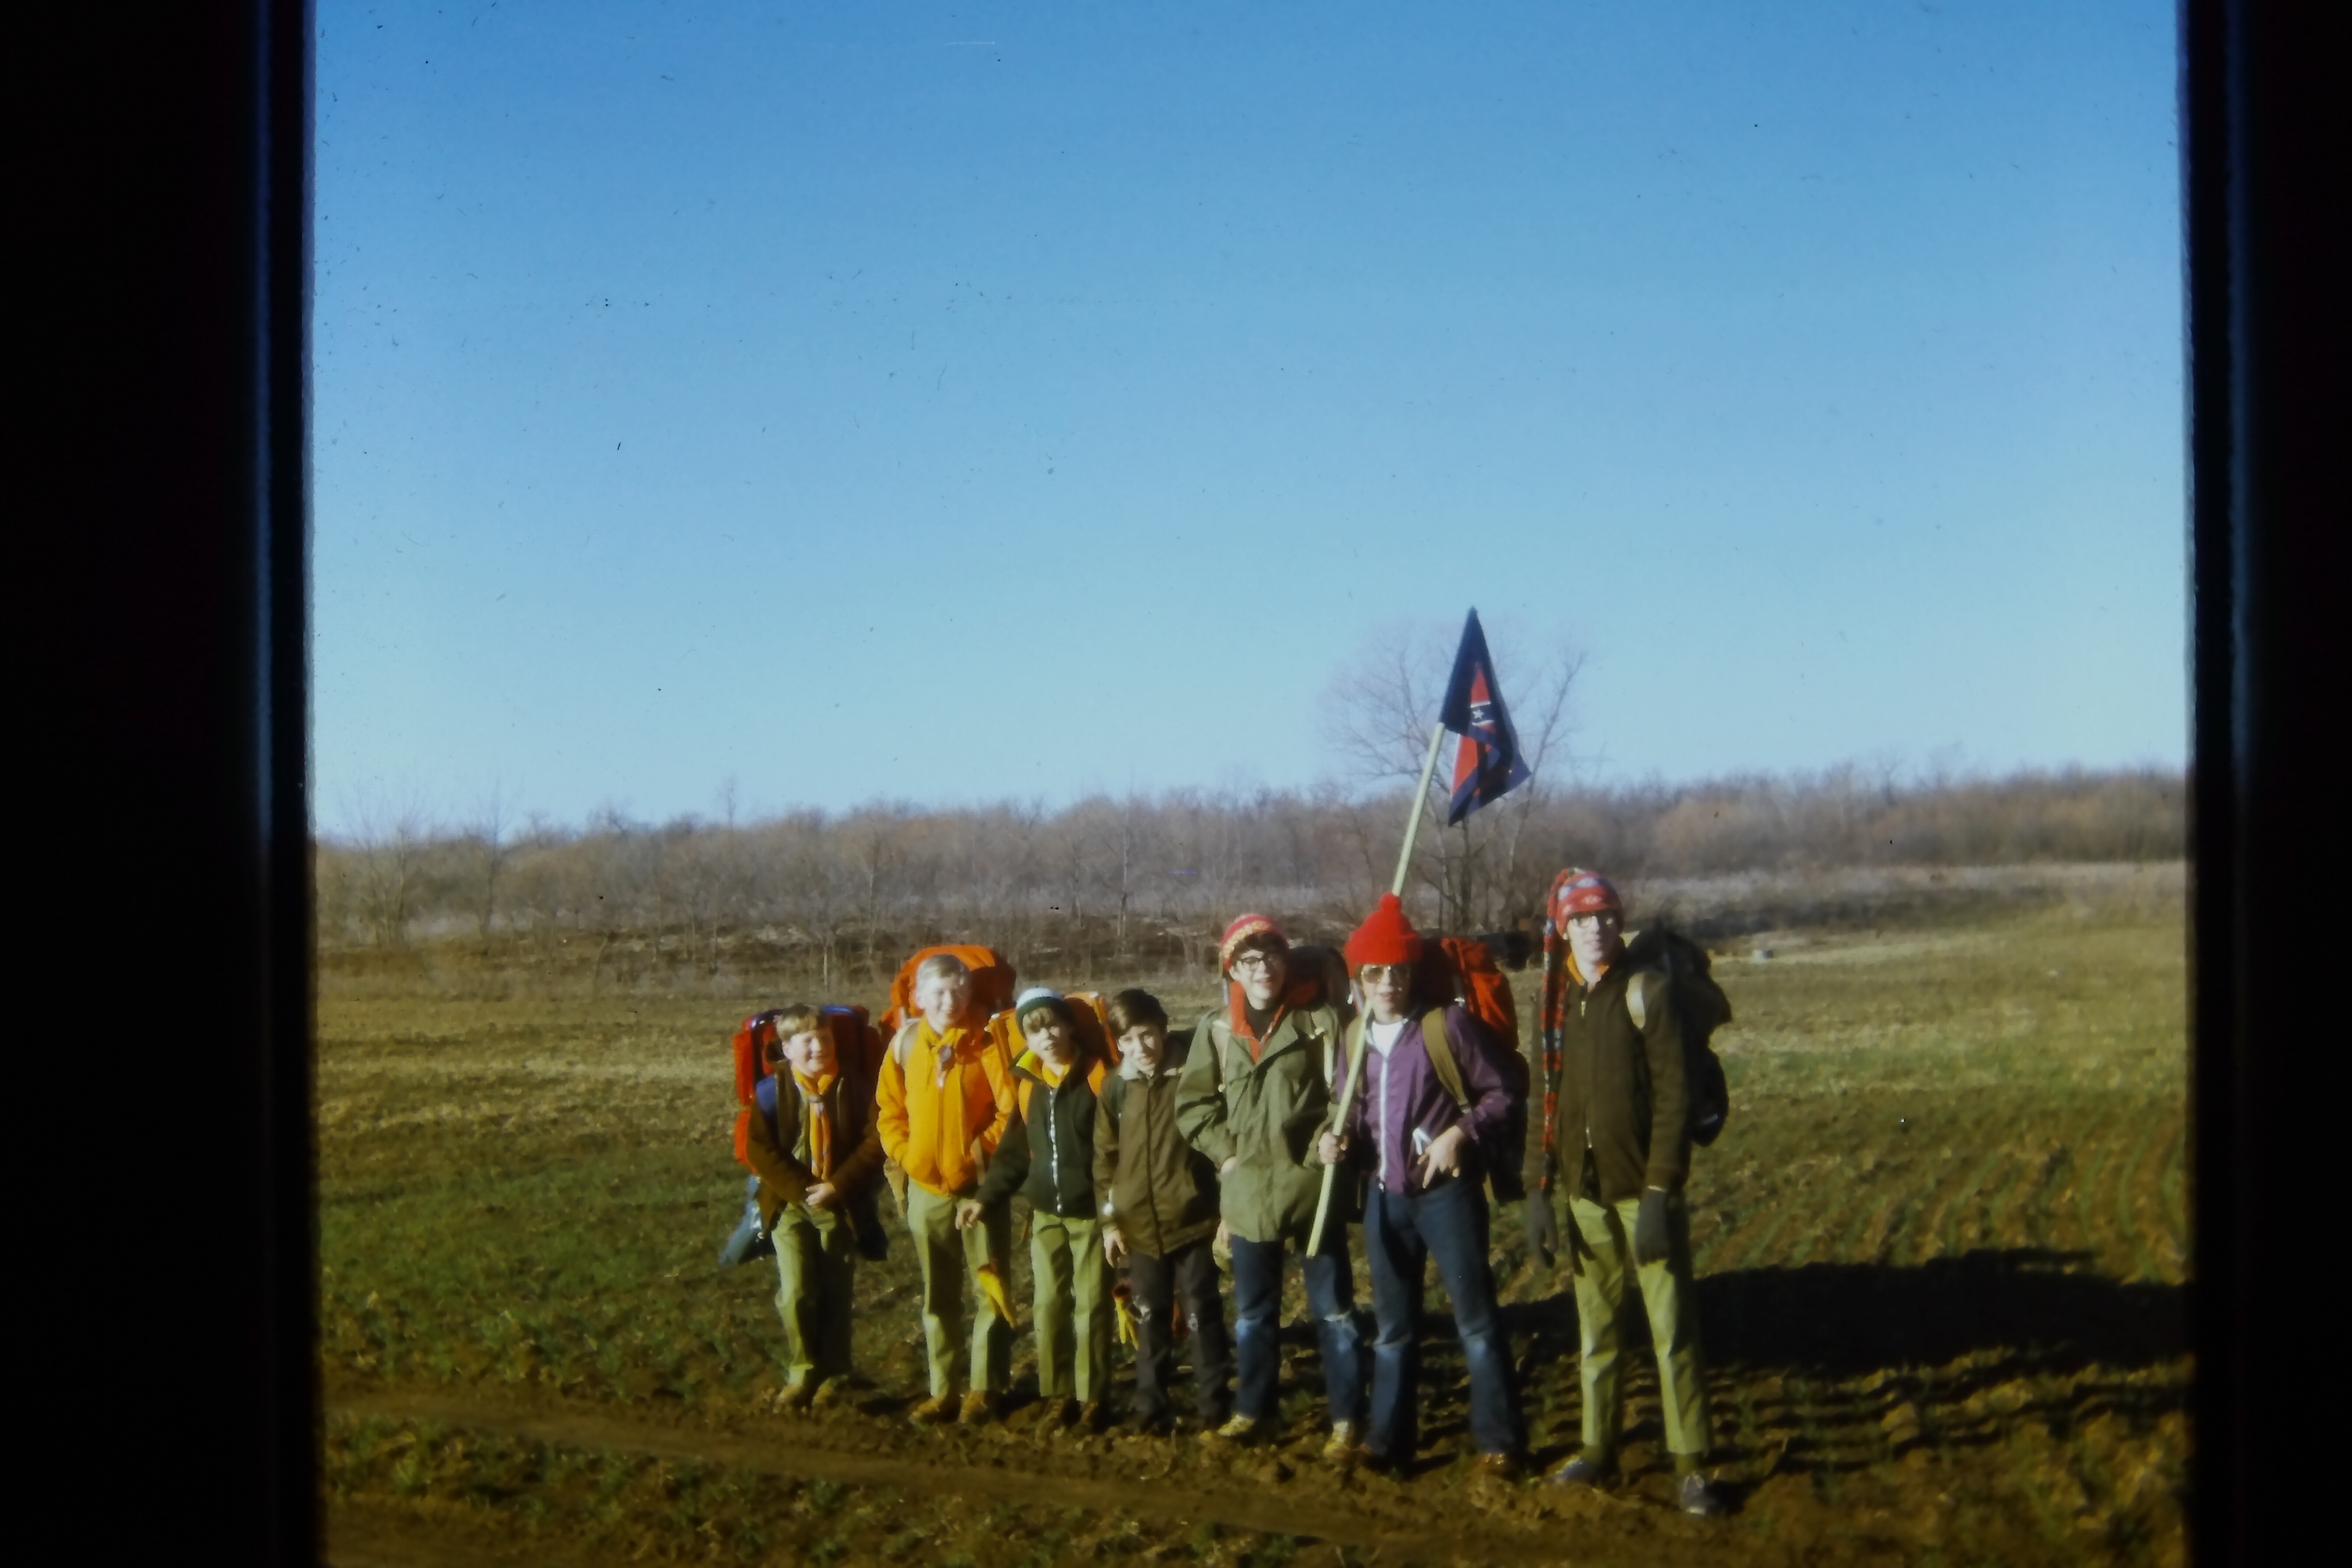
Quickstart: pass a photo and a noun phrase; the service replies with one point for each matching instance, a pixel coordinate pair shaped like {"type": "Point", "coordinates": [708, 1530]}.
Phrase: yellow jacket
{"type": "Point", "coordinates": [935, 1097]}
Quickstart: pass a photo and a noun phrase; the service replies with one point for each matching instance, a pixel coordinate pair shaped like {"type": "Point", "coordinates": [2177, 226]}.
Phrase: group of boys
{"type": "Point", "coordinates": [1238, 1129]}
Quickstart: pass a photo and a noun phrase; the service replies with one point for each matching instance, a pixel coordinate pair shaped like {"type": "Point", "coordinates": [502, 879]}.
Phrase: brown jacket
{"type": "Point", "coordinates": [1158, 1190]}
{"type": "Point", "coordinates": [776, 1153]}
{"type": "Point", "coordinates": [1620, 1090]}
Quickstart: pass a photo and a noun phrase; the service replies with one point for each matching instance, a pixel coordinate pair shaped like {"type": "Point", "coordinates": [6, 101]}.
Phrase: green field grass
{"type": "Point", "coordinates": [1943, 1248]}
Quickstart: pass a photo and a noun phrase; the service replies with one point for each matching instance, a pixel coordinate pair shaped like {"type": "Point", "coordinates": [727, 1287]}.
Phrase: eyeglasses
{"type": "Point", "coordinates": [1255, 963]}
{"type": "Point", "coordinates": [1381, 973]}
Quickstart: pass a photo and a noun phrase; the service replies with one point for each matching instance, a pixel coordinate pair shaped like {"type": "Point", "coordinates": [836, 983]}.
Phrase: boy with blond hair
{"type": "Point", "coordinates": [942, 1103]}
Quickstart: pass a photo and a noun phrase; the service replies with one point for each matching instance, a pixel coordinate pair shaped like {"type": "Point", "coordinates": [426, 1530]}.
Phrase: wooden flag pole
{"type": "Point", "coordinates": [1413, 820]}
{"type": "Point", "coordinates": [1396, 886]}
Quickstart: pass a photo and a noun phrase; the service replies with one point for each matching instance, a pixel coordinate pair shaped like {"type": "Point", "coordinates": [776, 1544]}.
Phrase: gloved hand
{"type": "Point", "coordinates": [1543, 1229]}
{"type": "Point", "coordinates": [1650, 1243]}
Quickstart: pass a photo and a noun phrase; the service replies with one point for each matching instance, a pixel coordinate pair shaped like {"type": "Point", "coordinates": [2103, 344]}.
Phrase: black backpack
{"type": "Point", "coordinates": [1703, 1008]}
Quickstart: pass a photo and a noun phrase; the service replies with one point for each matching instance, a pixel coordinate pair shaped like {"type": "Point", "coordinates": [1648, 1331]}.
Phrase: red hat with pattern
{"type": "Point", "coordinates": [1385, 937]}
{"type": "Point", "coordinates": [1582, 892]}
{"type": "Point", "coordinates": [1244, 927]}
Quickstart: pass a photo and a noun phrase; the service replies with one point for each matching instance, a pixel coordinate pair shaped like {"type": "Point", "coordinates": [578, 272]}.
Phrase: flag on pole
{"type": "Point", "coordinates": [1486, 762]}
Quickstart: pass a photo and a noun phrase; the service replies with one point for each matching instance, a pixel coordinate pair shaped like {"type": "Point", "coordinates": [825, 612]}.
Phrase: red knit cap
{"type": "Point", "coordinates": [1385, 937]}
{"type": "Point", "coordinates": [1244, 927]}
{"type": "Point", "coordinates": [1584, 893]}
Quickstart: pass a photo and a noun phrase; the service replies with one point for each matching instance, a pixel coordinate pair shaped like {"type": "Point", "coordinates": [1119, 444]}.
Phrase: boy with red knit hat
{"type": "Point", "coordinates": [1254, 1089]}
{"type": "Point", "coordinates": [1422, 1126]}
{"type": "Point", "coordinates": [1616, 1134]}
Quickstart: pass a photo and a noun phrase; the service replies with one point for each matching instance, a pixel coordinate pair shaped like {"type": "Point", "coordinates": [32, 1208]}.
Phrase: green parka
{"type": "Point", "coordinates": [1621, 1088]}
{"type": "Point", "coordinates": [1160, 1191]}
{"type": "Point", "coordinates": [1264, 1114]}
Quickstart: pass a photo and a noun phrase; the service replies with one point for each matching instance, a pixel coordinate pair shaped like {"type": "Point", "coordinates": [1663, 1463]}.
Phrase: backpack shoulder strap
{"type": "Point", "coordinates": [904, 1043]}
{"type": "Point", "coordinates": [1437, 1043]}
{"type": "Point", "coordinates": [1637, 992]}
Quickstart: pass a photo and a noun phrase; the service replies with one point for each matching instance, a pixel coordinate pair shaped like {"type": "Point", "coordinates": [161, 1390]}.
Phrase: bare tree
{"type": "Point", "coordinates": [392, 841]}
{"type": "Point", "coordinates": [489, 833]}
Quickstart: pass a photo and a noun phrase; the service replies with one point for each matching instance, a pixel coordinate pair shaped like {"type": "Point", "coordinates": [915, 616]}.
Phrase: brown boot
{"type": "Point", "coordinates": [795, 1397]}
{"type": "Point", "coordinates": [936, 1411]}
{"type": "Point", "coordinates": [978, 1408]}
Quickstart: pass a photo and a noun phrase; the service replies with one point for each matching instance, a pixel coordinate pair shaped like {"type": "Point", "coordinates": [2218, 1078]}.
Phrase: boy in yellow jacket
{"type": "Point", "coordinates": [942, 1103]}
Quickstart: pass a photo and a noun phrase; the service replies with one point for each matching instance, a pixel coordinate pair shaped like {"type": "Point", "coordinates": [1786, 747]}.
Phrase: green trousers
{"type": "Point", "coordinates": [816, 1269]}
{"type": "Point", "coordinates": [1072, 1307]}
{"type": "Point", "coordinates": [948, 1255]}
{"type": "Point", "coordinates": [1670, 1296]}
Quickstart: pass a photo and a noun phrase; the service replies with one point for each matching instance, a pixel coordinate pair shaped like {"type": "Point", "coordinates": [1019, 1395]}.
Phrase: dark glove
{"type": "Point", "coordinates": [1543, 1230]}
{"type": "Point", "coordinates": [1650, 1243]}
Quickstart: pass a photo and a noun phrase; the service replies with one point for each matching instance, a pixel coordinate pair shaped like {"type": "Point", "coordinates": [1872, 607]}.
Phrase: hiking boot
{"type": "Point", "coordinates": [1580, 1471]}
{"type": "Point", "coordinates": [1152, 1423]}
{"type": "Point", "coordinates": [1502, 1468]}
{"type": "Point", "coordinates": [1694, 1495]}
{"type": "Point", "coordinates": [936, 1411]}
{"type": "Point", "coordinates": [1241, 1431]}
{"type": "Point", "coordinates": [1052, 1414]}
{"type": "Point", "coordinates": [795, 1397]}
{"type": "Point", "coordinates": [978, 1408]}
{"type": "Point", "coordinates": [830, 1395]}
{"type": "Point", "coordinates": [1092, 1417]}
{"type": "Point", "coordinates": [1341, 1447]}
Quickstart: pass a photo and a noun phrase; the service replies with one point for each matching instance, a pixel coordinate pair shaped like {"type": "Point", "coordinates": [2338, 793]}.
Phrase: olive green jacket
{"type": "Point", "coordinates": [1160, 1191]}
{"type": "Point", "coordinates": [1265, 1115]}
{"type": "Point", "coordinates": [1621, 1086]}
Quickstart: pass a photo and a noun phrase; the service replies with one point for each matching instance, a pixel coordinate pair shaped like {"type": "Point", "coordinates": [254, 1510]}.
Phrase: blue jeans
{"type": "Point", "coordinates": [1257, 1321]}
{"type": "Point", "coordinates": [1400, 1234]}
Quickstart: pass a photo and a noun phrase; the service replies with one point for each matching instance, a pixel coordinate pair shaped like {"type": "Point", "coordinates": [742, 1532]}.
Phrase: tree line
{"type": "Point", "coordinates": [1150, 878]}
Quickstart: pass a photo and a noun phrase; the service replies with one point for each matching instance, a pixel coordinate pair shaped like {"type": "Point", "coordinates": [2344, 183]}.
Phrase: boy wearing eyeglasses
{"type": "Point", "coordinates": [1255, 1092]}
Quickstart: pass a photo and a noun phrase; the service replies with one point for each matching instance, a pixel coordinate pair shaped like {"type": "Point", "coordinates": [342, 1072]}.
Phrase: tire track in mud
{"type": "Point", "coordinates": [1349, 1513]}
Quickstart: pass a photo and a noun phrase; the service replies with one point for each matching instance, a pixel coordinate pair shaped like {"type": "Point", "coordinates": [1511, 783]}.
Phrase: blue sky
{"type": "Point", "coordinates": [956, 402]}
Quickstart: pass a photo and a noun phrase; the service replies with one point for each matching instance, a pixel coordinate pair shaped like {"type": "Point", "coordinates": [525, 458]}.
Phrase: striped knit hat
{"type": "Point", "coordinates": [1244, 927]}
{"type": "Point", "coordinates": [1582, 893]}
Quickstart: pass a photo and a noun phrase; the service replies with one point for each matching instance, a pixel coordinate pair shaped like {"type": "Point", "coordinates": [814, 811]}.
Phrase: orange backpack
{"type": "Point", "coordinates": [857, 1056]}
{"type": "Point", "coordinates": [992, 982]}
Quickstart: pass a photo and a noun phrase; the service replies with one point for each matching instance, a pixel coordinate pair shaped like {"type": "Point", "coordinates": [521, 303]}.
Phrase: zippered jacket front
{"type": "Point", "coordinates": [1047, 1153]}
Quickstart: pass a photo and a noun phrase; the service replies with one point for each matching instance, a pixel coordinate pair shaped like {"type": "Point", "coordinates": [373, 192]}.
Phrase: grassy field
{"type": "Point", "coordinates": [1943, 1250]}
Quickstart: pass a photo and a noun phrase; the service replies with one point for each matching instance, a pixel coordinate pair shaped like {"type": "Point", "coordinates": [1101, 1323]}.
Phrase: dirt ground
{"type": "Point", "coordinates": [1942, 1249]}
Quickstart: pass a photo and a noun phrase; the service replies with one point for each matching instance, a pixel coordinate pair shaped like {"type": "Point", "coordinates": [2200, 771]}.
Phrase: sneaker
{"type": "Point", "coordinates": [978, 1408]}
{"type": "Point", "coordinates": [936, 1411]}
{"type": "Point", "coordinates": [795, 1397]}
{"type": "Point", "coordinates": [1694, 1495]}
{"type": "Point", "coordinates": [1341, 1447]}
{"type": "Point", "coordinates": [1240, 1430]}
{"type": "Point", "coordinates": [1502, 1467]}
{"type": "Point", "coordinates": [1580, 1471]}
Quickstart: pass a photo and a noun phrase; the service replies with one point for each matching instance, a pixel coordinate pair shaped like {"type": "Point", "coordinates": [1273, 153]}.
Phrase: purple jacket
{"type": "Point", "coordinates": [1380, 1125]}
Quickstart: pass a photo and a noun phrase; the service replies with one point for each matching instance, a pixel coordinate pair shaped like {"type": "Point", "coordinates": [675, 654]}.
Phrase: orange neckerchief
{"type": "Point", "coordinates": [820, 1120]}
{"type": "Point", "coordinates": [1240, 1021]}
{"type": "Point", "coordinates": [944, 1049]}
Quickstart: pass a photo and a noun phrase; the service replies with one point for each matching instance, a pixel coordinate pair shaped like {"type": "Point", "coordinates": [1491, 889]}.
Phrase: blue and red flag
{"type": "Point", "coordinates": [1487, 764]}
